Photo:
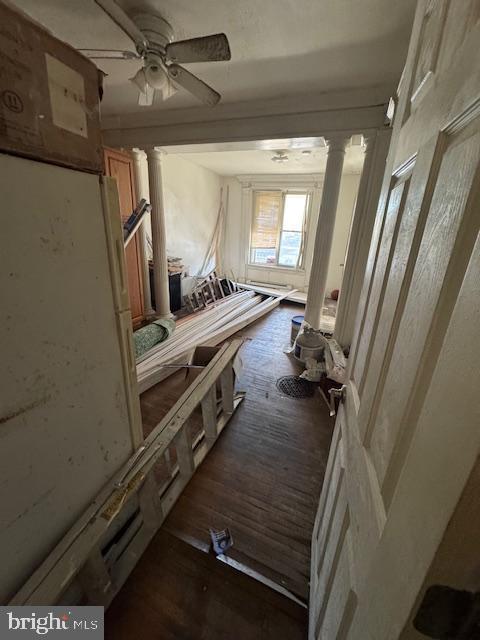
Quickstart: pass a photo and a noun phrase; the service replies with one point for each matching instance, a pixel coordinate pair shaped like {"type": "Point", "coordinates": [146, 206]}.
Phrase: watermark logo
{"type": "Point", "coordinates": [20, 623]}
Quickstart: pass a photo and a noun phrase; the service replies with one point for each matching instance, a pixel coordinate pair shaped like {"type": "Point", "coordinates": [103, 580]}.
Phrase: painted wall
{"type": "Point", "coordinates": [234, 247]}
{"type": "Point", "coordinates": [191, 199]}
{"type": "Point", "coordinates": [346, 204]}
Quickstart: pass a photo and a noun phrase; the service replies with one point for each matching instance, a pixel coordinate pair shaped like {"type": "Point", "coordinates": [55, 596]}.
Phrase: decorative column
{"type": "Point", "coordinates": [376, 150]}
{"type": "Point", "coordinates": [141, 181]}
{"type": "Point", "coordinates": [324, 233]}
{"type": "Point", "coordinates": [159, 238]}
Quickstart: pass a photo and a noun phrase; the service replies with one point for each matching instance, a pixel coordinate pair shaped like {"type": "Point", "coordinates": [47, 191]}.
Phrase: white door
{"type": "Point", "coordinates": [407, 435]}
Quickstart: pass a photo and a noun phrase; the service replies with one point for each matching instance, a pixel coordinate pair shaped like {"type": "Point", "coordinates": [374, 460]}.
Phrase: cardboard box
{"type": "Point", "coordinates": [49, 96]}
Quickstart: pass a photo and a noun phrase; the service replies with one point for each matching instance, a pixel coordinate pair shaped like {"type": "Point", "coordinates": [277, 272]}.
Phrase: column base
{"type": "Point", "coordinates": [162, 316]}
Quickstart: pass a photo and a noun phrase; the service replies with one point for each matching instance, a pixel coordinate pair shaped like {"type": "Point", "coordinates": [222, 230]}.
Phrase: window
{"type": "Point", "coordinates": [278, 228]}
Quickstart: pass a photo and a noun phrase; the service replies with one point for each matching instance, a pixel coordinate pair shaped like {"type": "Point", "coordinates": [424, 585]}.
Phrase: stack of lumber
{"type": "Point", "coordinates": [208, 327]}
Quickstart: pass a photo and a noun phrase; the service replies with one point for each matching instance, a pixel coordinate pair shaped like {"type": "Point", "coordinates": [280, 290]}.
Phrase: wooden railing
{"type": "Point", "coordinates": [133, 504]}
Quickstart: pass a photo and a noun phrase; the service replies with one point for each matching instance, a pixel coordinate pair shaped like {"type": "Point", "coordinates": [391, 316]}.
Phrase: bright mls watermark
{"type": "Point", "coordinates": [57, 622]}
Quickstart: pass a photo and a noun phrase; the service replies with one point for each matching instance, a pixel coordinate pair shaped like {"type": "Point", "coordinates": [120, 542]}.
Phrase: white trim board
{"type": "Point", "coordinates": [294, 296]}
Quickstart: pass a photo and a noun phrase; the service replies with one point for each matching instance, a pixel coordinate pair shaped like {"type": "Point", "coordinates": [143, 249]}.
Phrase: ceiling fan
{"type": "Point", "coordinates": [154, 43]}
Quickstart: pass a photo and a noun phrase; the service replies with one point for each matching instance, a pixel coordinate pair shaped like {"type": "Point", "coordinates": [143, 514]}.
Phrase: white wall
{"type": "Point", "coordinates": [234, 244]}
{"type": "Point", "coordinates": [346, 204]}
{"type": "Point", "coordinates": [191, 199]}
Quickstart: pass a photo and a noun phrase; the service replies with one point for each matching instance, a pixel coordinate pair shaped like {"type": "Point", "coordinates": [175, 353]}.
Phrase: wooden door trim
{"type": "Point", "coordinates": [126, 157]}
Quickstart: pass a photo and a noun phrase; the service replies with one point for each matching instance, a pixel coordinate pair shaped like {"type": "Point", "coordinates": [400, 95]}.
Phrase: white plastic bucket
{"type": "Point", "coordinates": [296, 324]}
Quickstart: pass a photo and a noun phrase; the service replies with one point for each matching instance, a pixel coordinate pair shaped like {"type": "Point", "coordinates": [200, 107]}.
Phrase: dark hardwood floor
{"type": "Point", "coordinates": [263, 477]}
{"type": "Point", "coordinates": [179, 593]}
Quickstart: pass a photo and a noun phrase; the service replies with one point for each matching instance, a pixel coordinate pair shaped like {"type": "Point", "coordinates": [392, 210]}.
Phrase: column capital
{"type": "Point", "coordinates": [138, 153]}
{"type": "Point", "coordinates": [337, 142]}
{"type": "Point", "coordinates": [368, 139]}
{"type": "Point", "coordinates": [155, 153]}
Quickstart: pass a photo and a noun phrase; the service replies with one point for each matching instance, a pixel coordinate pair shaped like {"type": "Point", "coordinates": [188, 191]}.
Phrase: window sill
{"type": "Point", "coordinates": [274, 267]}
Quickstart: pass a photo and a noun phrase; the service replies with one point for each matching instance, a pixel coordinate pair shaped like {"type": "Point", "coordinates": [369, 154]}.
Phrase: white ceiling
{"type": "Point", "coordinates": [259, 160]}
{"type": "Point", "coordinates": [279, 48]}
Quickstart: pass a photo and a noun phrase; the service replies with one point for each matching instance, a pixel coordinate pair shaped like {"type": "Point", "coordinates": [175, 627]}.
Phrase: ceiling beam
{"type": "Point", "coordinates": [346, 121]}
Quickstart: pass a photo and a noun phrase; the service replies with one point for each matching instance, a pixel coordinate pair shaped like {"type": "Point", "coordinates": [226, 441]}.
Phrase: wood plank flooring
{"type": "Point", "coordinates": [264, 475]}
{"type": "Point", "coordinates": [179, 593]}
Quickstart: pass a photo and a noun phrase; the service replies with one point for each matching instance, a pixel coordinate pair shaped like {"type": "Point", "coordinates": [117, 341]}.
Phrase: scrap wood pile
{"type": "Point", "coordinates": [207, 327]}
{"type": "Point", "coordinates": [209, 290]}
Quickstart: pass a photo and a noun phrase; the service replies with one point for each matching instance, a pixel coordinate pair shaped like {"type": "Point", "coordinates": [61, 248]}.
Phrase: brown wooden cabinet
{"type": "Point", "coordinates": [119, 165]}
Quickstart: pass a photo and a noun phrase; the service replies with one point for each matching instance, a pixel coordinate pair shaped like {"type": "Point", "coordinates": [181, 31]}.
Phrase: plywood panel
{"type": "Point", "coordinates": [63, 414]}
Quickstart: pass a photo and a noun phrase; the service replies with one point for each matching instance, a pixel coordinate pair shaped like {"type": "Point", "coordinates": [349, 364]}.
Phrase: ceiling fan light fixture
{"type": "Point", "coordinates": [280, 156]}
{"type": "Point", "coordinates": [156, 76]}
{"type": "Point", "coordinates": [154, 41]}
{"type": "Point", "coordinates": [140, 80]}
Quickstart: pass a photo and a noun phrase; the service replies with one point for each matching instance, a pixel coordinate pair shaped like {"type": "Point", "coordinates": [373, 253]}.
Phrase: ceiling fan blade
{"type": "Point", "coordinates": [145, 98]}
{"type": "Point", "coordinates": [118, 15]}
{"type": "Point", "coordinates": [109, 54]}
{"type": "Point", "coordinates": [194, 85]}
{"type": "Point", "coordinates": [203, 49]}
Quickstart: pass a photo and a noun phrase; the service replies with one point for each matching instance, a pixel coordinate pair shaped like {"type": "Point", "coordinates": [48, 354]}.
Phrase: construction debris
{"type": "Point", "coordinates": [314, 370]}
{"type": "Point", "coordinates": [132, 224]}
{"type": "Point", "coordinates": [335, 361]}
{"type": "Point", "coordinates": [209, 327]}
{"type": "Point", "coordinates": [221, 541]}
{"type": "Point", "coordinates": [209, 290]}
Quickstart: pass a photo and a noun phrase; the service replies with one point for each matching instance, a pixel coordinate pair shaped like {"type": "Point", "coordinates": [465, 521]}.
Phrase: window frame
{"type": "Point", "coordinates": [300, 266]}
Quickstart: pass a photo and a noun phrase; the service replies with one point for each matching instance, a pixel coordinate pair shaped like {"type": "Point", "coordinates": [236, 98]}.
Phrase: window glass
{"type": "Point", "coordinates": [264, 256]}
{"type": "Point", "coordinates": [277, 236]}
{"type": "Point", "coordinates": [294, 211]}
{"type": "Point", "coordinates": [290, 244]}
